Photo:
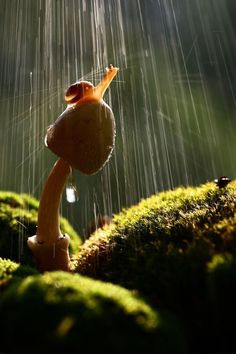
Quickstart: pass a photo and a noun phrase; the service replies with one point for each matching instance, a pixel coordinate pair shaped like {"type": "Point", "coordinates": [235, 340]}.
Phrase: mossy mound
{"type": "Point", "coordinates": [63, 313]}
{"type": "Point", "coordinates": [222, 300]}
{"type": "Point", "coordinates": [11, 271]}
{"type": "Point", "coordinates": [18, 219]}
{"type": "Point", "coordinates": [162, 248]}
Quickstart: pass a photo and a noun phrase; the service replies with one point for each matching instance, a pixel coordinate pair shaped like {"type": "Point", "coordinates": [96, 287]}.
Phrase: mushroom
{"type": "Point", "coordinates": [83, 138]}
{"type": "Point", "coordinates": [49, 246]}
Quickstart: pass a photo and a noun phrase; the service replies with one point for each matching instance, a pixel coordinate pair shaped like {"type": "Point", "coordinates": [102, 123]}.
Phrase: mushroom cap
{"type": "Point", "coordinates": [84, 136]}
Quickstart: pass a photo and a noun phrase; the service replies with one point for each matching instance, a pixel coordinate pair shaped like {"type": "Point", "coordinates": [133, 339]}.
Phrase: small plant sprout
{"type": "Point", "coordinates": [83, 138]}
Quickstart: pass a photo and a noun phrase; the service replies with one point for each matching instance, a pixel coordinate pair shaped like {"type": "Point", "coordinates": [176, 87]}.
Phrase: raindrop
{"type": "Point", "coordinates": [72, 194]}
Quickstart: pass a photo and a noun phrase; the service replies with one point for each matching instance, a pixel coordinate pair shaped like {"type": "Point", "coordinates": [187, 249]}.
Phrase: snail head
{"type": "Point", "coordinates": [83, 91]}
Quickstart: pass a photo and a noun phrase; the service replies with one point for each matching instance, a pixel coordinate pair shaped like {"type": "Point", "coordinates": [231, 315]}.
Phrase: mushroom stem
{"type": "Point", "coordinates": [49, 246]}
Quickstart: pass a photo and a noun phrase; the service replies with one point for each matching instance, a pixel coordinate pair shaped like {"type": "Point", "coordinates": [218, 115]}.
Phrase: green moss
{"type": "Point", "coordinates": [18, 220]}
{"type": "Point", "coordinates": [30, 202]}
{"type": "Point", "coordinates": [162, 248]}
{"type": "Point", "coordinates": [10, 271]}
{"type": "Point", "coordinates": [222, 299]}
{"type": "Point", "coordinates": [68, 313]}
{"type": "Point", "coordinates": [11, 198]}
{"type": "Point", "coordinates": [75, 241]}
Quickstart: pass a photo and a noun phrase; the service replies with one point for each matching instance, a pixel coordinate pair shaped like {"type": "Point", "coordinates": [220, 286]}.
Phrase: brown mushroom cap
{"type": "Point", "coordinates": [84, 136]}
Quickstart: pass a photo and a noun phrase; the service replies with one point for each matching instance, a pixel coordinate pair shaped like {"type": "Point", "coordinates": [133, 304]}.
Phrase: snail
{"type": "Point", "coordinates": [83, 137]}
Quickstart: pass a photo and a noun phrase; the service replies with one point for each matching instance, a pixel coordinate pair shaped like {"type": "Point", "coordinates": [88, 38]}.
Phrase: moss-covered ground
{"type": "Point", "coordinates": [63, 313]}
{"type": "Point", "coordinates": [172, 262]}
{"type": "Point", "coordinates": [11, 271]}
{"type": "Point", "coordinates": [163, 246]}
{"type": "Point", "coordinates": [18, 220]}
